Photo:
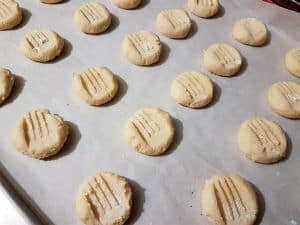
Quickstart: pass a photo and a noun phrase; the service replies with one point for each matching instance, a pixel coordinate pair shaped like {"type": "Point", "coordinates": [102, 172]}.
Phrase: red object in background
{"type": "Point", "coordinates": [289, 4]}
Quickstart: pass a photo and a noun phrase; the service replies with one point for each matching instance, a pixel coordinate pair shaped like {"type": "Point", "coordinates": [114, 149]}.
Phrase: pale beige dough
{"type": "Point", "coordinates": [229, 200]}
{"type": "Point", "coordinates": [10, 14]}
{"type": "Point", "coordinates": [192, 89]}
{"type": "Point", "coordinates": [204, 8]}
{"type": "Point", "coordinates": [150, 131]}
{"type": "Point", "coordinates": [51, 1]}
{"type": "Point", "coordinates": [42, 46]}
{"type": "Point", "coordinates": [104, 199]}
{"type": "Point", "coordinates": [92, 18]}
{"type": "Point", "coordinates": [250, 31]}
{"type": "Point", "coordinates": [292, 61]}
{"type": "Point", "coordinates": [284, 99]}
{"type": "Point", "coordinates": [40, 134]}
{"type": "Point", "coordinates": [127, 4]}
{"type": "Point", "coordinates": [96, 85]}
{"type": "Point", "coordinates": [222, 59]}
{"type": "Point", "coordinates": [142, 48]}
{"type": "Point", "coordinates": [6, 84]}
{"type": "Point", "coordinates": [174, 23]}
{"type": "Point", "coordinates": [262, 141]}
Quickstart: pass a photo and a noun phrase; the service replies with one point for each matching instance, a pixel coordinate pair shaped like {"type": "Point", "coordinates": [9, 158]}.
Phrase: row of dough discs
{"type": "Point", "coordinates": [144, 48]}
{"type": "Point", "coordinates": [107, 198]}
{"type": "Point", "coordinates": [151, 131]}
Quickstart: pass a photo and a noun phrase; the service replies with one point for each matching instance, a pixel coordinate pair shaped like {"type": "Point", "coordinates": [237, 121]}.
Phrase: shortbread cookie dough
{"type": "Point", "coordinates": [51, 1]}
{"type": "Point", "coordinates": [222, 59]}
{"type": "Point", "coordinates": [42, 46]}
{"type": "Point", "coordinates": [204, 8]}
{"type": "Point", "coordinates": [174, 23]}
{"type": "Point", "coordinates": [250, 31]}
{"type": "Point", "coordinates": [6, 84]}
{"type": "Point", "coordinates": [96, 85]}
{"type": "Point", "coordinates": [262, 140]}
{"type": "Point", "coordinates": [229, 200]}
{"type": "Point", "coordinates": [192, 89]}
{"type": "Point", "coordinates": [92, 18]}
{"type": "Point", "coordinates": [142, 48]}
{"type": "Point", "coordinates": [104, 199]}
{"type": "Point", "coordinates": [127, 4]}
{"type": "Point", "coordinates": [284, 99]}
{"type": "Point", "coordinates": [40, 134]}
{"type": "Point", "coordinates": [292, 61]}
{"type": "Point", "coordinates": [10, 14]}
{"type": "Point", "coordinates": [150, 131]}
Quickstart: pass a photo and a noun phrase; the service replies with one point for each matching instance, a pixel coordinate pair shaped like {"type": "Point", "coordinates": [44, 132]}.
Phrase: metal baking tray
{"type": "Point", "coordinates": [166, 188]}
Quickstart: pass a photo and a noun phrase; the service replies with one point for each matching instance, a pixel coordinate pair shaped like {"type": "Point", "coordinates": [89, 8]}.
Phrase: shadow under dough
{"type": "Point", "coordinates": [178, 125]}
{"type": "Point", "coordinates": [71, 143]}
{"type": "Point", "coordinates": [193, 31]}
{"type": "Point", "coordinates": [26, 15]}
{"type": "Point", "coordinates": [138, 202]}
{"type": "Point", "coordinates": [67, 50]}
{"type": "Point", "coordinates": [261, 205]}
{"type": "Point", "coordinates": [123, 88]}
{"type": "Point", "coordinates": [164, 55]}
{"type": "Point", "coordinates": [17, 89]}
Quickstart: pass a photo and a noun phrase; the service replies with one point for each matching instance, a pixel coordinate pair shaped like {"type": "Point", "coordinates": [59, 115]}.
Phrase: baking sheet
{"type": "Point", "coordinates": [166, 188]}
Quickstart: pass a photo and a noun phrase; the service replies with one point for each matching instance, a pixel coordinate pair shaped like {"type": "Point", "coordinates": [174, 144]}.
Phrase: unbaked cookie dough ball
{"type": "Point", "coordinates": [174, 23]}
{"type": "Point", "coordinates": [92, 18]}
{"type": "Point", "coordinates": [229, 200]}
{"type": "Point", "coordinates": [292, 61]}
{"type": "Point", "coordinates": [42, 46]}
{"type": "Point", "coordinates": [142, 48]}
{"type": "Point", "coordinates": [262, 141]}
{"type": "Point", "coordinates": [40, 134]}
{"type": "Point", "coordinates": [192, 89]}
{"type": "Point", "coordinates": [96, 85]}
{"type": "Point", "coordinates": [127, 4]}
{"type": "Point", "coordinates": [6, 84]}
{"type": "Point", "coordinates": [204, 8]}
{"type": "Point", "coordinates": [104, 199]}
{"type": "Point", "coordinates": [284, 99]}
{"type": "Point", "coordinates": [150, 131]}
{"type": "Point", "coordinates": [223, 60]}
{"type": "Point", "coordinates": [250, 31]}
{"type": "Point", "coordinates": [10, 14]}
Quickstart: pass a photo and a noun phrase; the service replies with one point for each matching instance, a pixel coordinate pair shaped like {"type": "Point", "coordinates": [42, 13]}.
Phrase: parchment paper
{"type": "Point", "coordinates": [166, 188]}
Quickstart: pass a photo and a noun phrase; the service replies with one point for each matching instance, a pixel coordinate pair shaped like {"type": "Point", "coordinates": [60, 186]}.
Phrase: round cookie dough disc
{"type": "Point", "coordinates": [40, 134]}
{"type": "Point", "coordinates": [92, 18]}
{"type": "Point", "coordinates": [142, 48]}
{"type": "Point", "coordinates": [51, 1]}
{"type": "Point", "coordinates": [11, 14]}
{"type": "Point", "coordinates": [229, 200]}
{"type": "Point", "coordinates": [6, 84]}
{"type": "Point", "coordinates": [150, 131]}
{"type": "Point", "coordinates": [104, 199]}
{"type": "Point", "coordinates": [250, 31]}
{"type": "Point", "coordinates": [42, 46]}
{"type": "Point", "coordinates": [204, 8]}
{"type": "Point", "coordinates": [96, 85]}
{"type": "Point", "coordinates": [127, 4]}
{"type": "Point", "coordinates": [223, 60]}
{"type": "Point", "coordinates": [284, 99]}
{"type": "Point", "coordinates": [192, 89]}
{"type": "Point", "coordinates": [262, 141]}
{"type": "Point", "coordinates": [174, 23]}
{"type": "Point", "coordinates": [292, 61]}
